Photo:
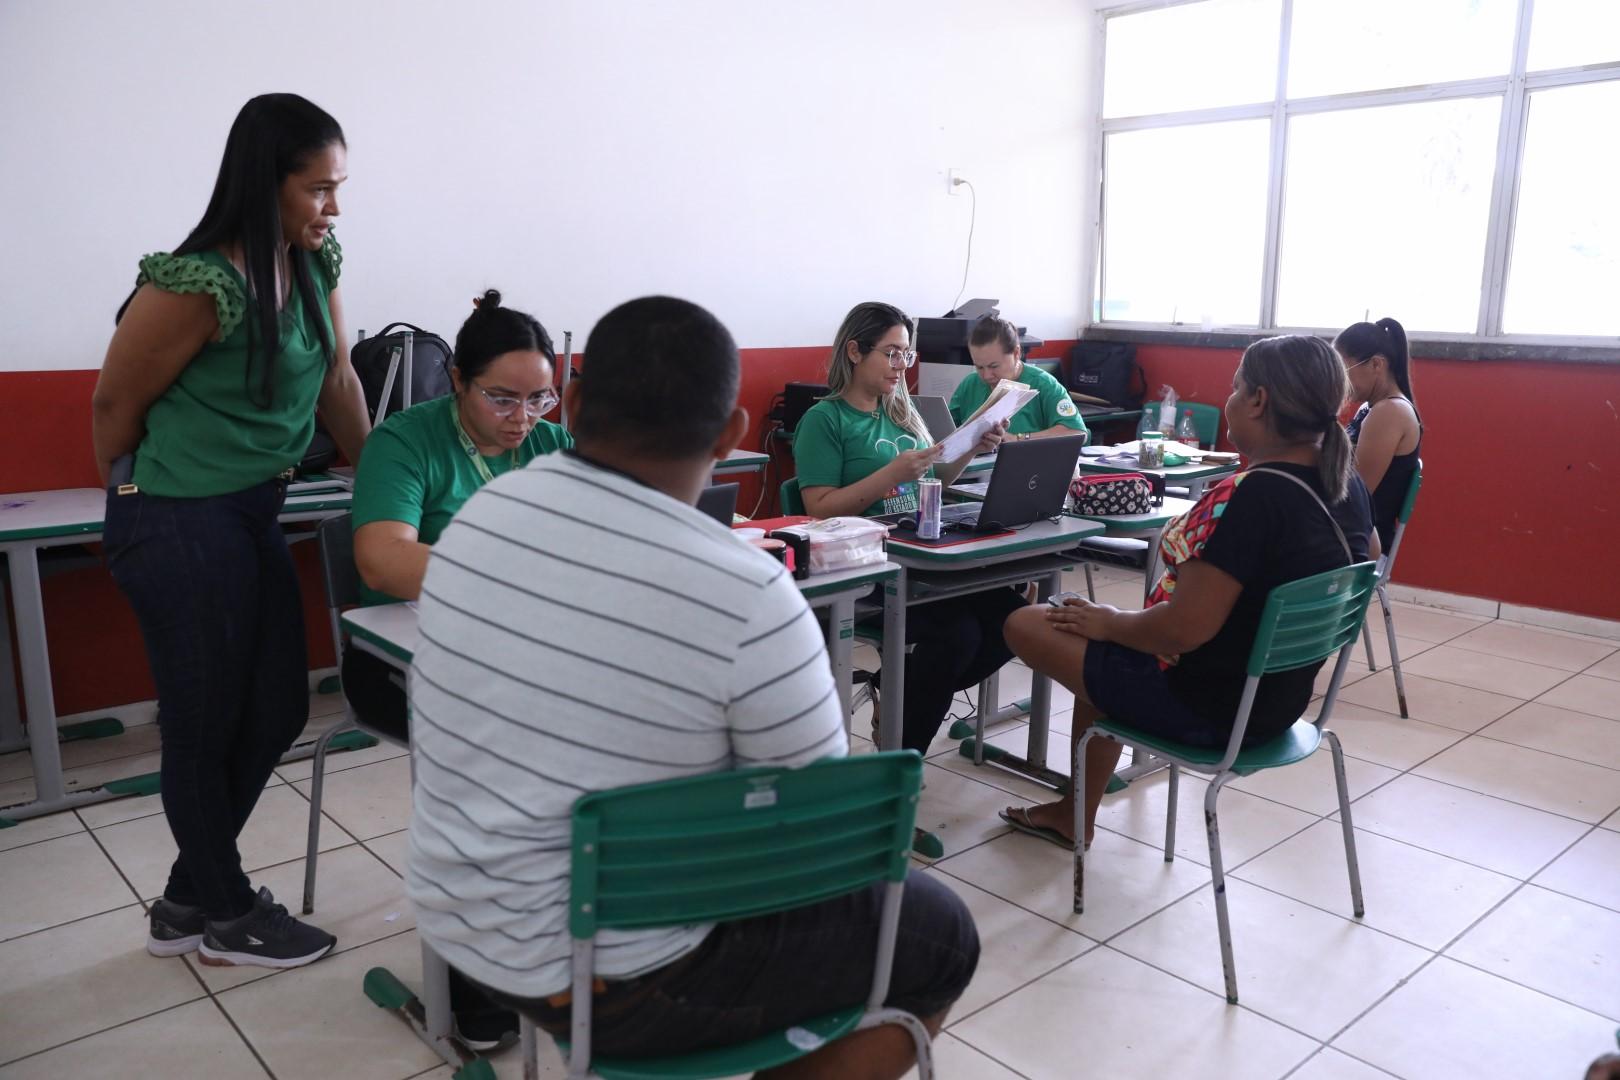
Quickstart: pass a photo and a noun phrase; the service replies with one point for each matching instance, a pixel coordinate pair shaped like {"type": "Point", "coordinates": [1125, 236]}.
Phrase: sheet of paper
{"type": "Point", "coordinates": [1002, 404]}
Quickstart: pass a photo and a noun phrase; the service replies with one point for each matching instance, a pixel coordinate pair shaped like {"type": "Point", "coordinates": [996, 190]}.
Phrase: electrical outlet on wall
{"type": "Point", "coordinates": [954, 181]}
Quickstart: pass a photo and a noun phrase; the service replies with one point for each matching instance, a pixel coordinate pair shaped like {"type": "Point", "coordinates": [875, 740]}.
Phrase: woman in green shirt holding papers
{"type": "Point", "coordinates": [861, 451]}
{"type": "Point", "coordinates": [993, 344]}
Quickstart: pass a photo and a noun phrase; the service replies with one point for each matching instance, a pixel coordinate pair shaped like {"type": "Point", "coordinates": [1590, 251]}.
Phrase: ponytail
{"type": "Point", "coordinates": [1400, 364]}
{"type": "Point", "coordinates": [1387, 338]}
{"type": "Point", "coordinates": [1335, 462]}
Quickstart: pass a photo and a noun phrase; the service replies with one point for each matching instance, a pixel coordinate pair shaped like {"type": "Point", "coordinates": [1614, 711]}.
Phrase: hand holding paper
{"type": "Point", "coordinates": [1002, 405]}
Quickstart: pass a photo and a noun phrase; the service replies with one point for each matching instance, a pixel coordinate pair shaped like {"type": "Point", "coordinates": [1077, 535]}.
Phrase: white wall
{"type": "Point", "coordinates": [774, 161]}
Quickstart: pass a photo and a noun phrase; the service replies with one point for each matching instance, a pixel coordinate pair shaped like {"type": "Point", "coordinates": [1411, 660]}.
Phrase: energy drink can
{"type": "Point", "coordinates": [930, 493]}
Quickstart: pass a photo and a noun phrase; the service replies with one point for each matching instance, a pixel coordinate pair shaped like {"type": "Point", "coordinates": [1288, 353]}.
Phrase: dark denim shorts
{"type": "Point", "coordinates": [1130, 687]}
{"type": "Point", "coordinates": [754, 976]}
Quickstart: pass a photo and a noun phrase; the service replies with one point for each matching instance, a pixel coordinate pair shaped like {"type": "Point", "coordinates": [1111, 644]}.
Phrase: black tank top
{"type": "Point", "coordinates": [1391, 491]}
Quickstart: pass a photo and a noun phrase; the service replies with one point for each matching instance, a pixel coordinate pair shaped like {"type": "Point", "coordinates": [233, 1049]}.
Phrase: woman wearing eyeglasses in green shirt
{"type": "Point", "coordinates": [422, 463]}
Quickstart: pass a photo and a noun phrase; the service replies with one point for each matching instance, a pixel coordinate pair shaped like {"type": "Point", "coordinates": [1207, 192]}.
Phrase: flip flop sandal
{"type": "Point", "coordinates": [1019, 819]}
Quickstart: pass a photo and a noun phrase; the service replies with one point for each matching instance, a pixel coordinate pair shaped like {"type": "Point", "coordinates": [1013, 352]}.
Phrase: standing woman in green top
{"type": "Point", "coordinates": [206, 401]}
{"type": "Point", "coordinates": [993, 344]}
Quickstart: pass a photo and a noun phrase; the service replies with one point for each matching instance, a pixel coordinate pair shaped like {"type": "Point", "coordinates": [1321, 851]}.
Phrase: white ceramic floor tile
{"type": "Point", "coordinates": [1431, 700]}
{"type": "Point", "coordinates": [1106, 1014]}
{"type": "Point", "coordinates": [32, 831]}
{"type": "Point", "coordinates": [1125, 881]}
{"type": "Point", "coordinates": [959, 811]}
{"type": "Point", "coordinates": [113, 811]}
{"type": "Point", "coordinates": [1492, 833]}
{"type": "Point", "coordinates": [71, 981]}
{"type": "Point", "coordinates": [135, 740]}
{"type": "Point", "coordinates": [1482, 671]}
{"type": "Point", "coordinates": [1589, 870]}
{"type": "Point", "coordinates": [358, 900]}
{"type": "Point", "coordinates": [1429, 624]}
{"type": "Point", "coordinates": [299, 1019]}
{"type": "Point", "coordinates": [1249, 824]}
{"type": "Point", "coordinates": [1577, 735]}
{"type": "Point", "coordinates": [1330, 1064]}
{"type": "Point", "coordinates": [342, 760]}
{"type": "Point", "coordinates": [1416, 895]}
{"type": "Point", "coordinates": [368, 801]}
{"type": "Point", "coordinates": [17, 765]}
{"type": "Point", "coordinates": [1309, 785]}
{"type": "Point", "coordinates": [1386, 739]}
{"type": "Point", "coordinates": [392, 848]}
{"type": "Point", "coordinates": [1354, 673]}
{"type": "Point", "coordinates": [56, 881]}
{"type": "Point", "coordinates": [1451, 1020]}
{"type": "Point", "coordinates": [1587, 694]}
{"type": "Point", "coordinates": [1547, 782]}
{"type": "Point", "coordinates": [1613, 822]}
{"type": "Point", "coordinates": [1550, 648]}
{"type": "Point", "coordinates": [1300, 966]}
{"type": "Point", "coordinates": [144, 849]}
{"type": "Point", "coordinates": [1016, 946]}
{"type": "Point", "coordinates": [954, 1058]}
{"type": "Point", "coordinates": [1016, 788]}
{"type": "Point", "coordinates": [191, 1040]}
{"type": "Point", "coordinates": [1561, 946]}
{"type": "Point", "coordinates": [1606, 669]}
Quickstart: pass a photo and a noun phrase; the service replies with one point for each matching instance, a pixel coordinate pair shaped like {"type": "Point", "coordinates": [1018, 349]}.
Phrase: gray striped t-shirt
{"type": "Point", "coordinates": [582, 631]}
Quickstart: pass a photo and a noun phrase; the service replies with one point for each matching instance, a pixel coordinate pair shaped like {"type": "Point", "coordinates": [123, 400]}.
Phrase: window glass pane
{"type": "Point", "coordinates": [1337, 46]}
{"type": "Point", "coordinates": [1193, 56]}
{"type": "Point", "coordinates": [1571, 33]}
{"type": "Point", "coordinates": [1385, 213]}
{"type": "Point", "coordinates": [1565, 272]}
{"type": "Point", "coordinates": [1184, 221]}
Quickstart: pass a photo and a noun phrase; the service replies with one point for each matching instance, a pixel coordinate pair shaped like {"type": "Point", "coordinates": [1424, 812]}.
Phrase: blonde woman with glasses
{"type": "Point", "coordinates": [861, 451]}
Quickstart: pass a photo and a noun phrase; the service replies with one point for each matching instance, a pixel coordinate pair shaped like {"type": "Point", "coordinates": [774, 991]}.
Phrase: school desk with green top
{"type": "Point", "coordinates": [1195, 475]}
{"type": "Point", "coordinates": [30, 522]}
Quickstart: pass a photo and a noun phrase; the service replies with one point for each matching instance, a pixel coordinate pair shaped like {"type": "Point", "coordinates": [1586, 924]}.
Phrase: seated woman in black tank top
{"type": "Point", "coordinates": [1176, 668]}
{"type": "Point", "coordinates": [1386, 431]}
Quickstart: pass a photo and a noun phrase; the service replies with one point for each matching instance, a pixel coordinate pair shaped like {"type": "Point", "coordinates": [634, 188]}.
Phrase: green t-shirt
{"type": "Point", "coordinates": [836, 445]}
{"type": "Point", "coordinates": [1052, 407]}
{"type": "Point", "coordinates": [205, 434]}
{"type": "Point", "coordinates": [415, 470]}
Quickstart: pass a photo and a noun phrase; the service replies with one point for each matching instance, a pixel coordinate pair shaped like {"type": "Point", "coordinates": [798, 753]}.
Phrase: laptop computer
{"type": "Point", "coordinates": [1030, 481]}
{"type": "Point", "coordinates": [936, 413]}
{"type": "Point", "coordinates": [719, 501]}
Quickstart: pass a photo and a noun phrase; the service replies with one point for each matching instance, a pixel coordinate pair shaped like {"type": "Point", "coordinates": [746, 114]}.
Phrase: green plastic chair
{"type": "Point", "coordinates": [733, 845]}
{"type": "Point", "coordinates": [1206, 419]}
{"type": "Point", "coordinates": [1303, 621]}
{"type": "Point", "coordinates": [788, 497]}
{"type": "Point", "coordinates": [1386, 565]}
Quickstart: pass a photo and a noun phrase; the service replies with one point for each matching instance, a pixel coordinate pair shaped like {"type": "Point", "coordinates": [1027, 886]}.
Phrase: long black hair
{"type": "Point", "coordinates": [273, 136]}
{"type": "Point", "coordinates": [1386, 338]}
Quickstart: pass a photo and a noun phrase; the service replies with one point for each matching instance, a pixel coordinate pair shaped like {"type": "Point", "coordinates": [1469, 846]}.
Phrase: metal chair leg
{"type": "Point", "coordinates": [1394, 652]}
{"type": "Point", "coordinates": [921, 1044]}
{"type": "Point", "coordinates": [529, 1047]}
{"type": "Point", "coordinates": [1170, 814]}
{"type": "Point", "coordinates": [1077, 784]}
{"type": "Point", "coordinates": [1091, 591]}
{"type": "Point", "coordinates": [1366, 640]}
{"type": "Point", "coordinates": [1351, 863]}
{"type": "Point", "coordinates": [1218, 881]}
{"type": "Point", "coordinates": [317, 782]}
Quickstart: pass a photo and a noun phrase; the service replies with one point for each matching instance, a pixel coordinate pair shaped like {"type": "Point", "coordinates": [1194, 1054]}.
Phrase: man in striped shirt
{"type": "Point", "coordinates": [584, 627]}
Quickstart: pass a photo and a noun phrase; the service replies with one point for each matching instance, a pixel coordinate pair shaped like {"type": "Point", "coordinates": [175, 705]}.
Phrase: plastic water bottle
{"type": "Point", "coordinates": [1186, 430]}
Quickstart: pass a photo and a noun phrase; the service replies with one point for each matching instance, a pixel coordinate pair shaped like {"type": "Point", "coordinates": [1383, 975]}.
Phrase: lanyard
{"type": "Point", "coordinates": [478, 461]}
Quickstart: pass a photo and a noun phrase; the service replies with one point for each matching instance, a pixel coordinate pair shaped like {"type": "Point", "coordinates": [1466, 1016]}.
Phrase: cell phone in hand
{"type": "Point", "coordinates": [1059, 599]}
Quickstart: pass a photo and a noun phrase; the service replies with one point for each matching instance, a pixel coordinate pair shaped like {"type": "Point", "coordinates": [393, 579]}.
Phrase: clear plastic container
{"type": "Point", "coordinates": [842, 543]}
{"type": "Point", "coordinates": [1150, 451]}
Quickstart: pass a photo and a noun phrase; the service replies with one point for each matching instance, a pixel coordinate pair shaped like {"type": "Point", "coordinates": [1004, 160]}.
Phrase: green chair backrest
{"type": "Point", "coordinates": [789, 498]}
{"type": "Point", "coordinates": [730, 845]}
{"type": "Point", "coordinates": [1311, 619]}
{"type": "Point", "coordinates": [1206, 419]}
{"type": "Point", "coordinates": [1411, 495]}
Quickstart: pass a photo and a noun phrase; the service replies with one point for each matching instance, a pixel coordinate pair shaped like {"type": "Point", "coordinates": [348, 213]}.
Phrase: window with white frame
{"type": "Point", "coordinates": [1309, 163]}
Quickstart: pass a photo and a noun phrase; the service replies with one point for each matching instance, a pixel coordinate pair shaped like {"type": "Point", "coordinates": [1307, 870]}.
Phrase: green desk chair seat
{"type": "Point", "coordinates": [1206, 419]}
{"type": "Point", "coordinates": [713, 849]}
{"type": "Point", "coordinates": [335, 538]}
{"type": "Point", "coordinates": [1386, 565]}
{"type": "Point", "coordinates": [1303, 622]}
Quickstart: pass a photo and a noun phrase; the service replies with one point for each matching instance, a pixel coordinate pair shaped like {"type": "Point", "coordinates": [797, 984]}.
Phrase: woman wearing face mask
{"type": "Point", "coordinates": [993, 344]}
{"type": "Point", "coordinates": [1176, 668]}
{"type": "Point", "coordinates": [1387, 432]}
{"type": "Point", "coordinates": [861, 451]}
{"type": "Point", "coordinates": [205, 402]}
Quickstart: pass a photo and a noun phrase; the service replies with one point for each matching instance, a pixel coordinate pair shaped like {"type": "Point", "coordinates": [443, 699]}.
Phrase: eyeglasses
{"type": "Point", "coordinates": [1358, 363]}
{"type": "Point", "coordinates": [504, 405]}
{"type": "Point", "coordinates": [900, 358]}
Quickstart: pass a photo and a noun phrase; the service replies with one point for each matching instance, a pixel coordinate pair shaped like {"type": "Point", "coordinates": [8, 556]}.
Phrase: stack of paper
{"type": "Point", "coordinates": [1003, 404]}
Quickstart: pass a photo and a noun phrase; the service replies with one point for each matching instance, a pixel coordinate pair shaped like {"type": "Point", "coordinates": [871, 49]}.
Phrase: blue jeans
{"type": "Point", "coordinates": [216, 596]}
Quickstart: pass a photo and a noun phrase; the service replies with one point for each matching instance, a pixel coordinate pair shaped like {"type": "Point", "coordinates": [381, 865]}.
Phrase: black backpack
{"type": "Point", "coordinates": [1108, 370]}
{"type": "Point", "coordinates": [372, 357]}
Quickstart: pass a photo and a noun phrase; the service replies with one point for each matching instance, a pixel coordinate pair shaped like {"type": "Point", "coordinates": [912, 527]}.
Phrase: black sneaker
{"type": "Point", "coordinates": [176, 928]}
{"type": "Point", "coordinates": [483, 1030]}
{"type": "Point", "coordinates": [266, 936]}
